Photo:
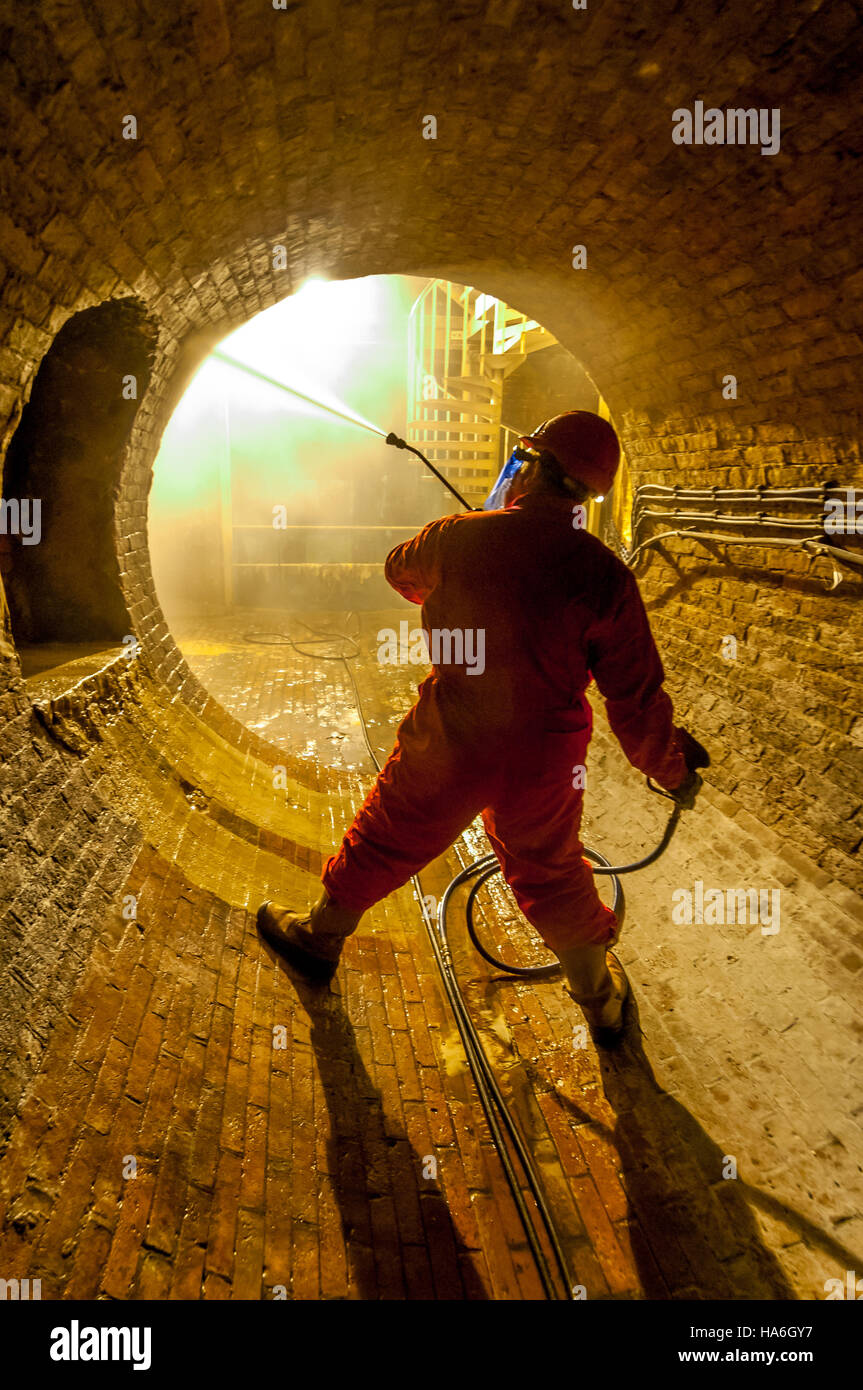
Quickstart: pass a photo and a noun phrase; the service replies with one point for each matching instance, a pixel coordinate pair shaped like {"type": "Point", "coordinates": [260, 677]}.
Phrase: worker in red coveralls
{"type": "Point", "coordinates": [551, 607]}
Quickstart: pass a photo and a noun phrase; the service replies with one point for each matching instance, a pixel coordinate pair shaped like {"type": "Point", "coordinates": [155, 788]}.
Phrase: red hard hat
{"type": "Point", "coordinates": [585, 446]}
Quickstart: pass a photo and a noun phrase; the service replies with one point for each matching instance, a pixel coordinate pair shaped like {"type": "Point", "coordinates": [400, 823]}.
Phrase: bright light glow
{"type": "Point", "coordinates": [340, 343]}
{"type": "Point", "coordinates": [312, 341]}
{"type": "Point", "coordinates": [599, 499]}
{"type": "Point", "coordinates": [484, 302]}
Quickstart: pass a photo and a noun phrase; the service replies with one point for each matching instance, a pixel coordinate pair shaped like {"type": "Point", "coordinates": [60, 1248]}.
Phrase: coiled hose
{"type": "Point", "coordinates": [498, 1116]}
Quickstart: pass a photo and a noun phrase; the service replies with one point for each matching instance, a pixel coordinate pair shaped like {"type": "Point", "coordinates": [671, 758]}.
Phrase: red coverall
{"type": "Point", "coordinates": [557, 608]}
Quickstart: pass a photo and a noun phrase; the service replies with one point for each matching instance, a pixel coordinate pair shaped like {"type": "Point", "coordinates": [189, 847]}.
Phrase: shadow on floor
{"type": "Point", "coordinates": [696, 1235]}
{"type": "Point", "coordinates": [398, 1232]}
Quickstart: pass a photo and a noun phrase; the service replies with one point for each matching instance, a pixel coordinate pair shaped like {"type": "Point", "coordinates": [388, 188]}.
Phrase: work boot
{"type": "Point", "coordinates": [312, 944]}
{"type": "Point", "coordinates": [598, 984]}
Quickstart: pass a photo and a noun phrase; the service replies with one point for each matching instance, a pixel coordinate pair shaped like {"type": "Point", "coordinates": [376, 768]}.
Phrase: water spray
{"type": "Point", "coordinates": [301, 395]}
{"type": "Point", "coordinates": [351, 419]}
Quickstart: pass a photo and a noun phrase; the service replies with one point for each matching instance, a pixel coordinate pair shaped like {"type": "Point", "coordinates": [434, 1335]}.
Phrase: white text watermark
{"type": "Point", "coordinates": [716, 907]}
{"type": "Point", "coordinates": [734, 126]}
{"type": "Point", "coordinates": [443, 646]}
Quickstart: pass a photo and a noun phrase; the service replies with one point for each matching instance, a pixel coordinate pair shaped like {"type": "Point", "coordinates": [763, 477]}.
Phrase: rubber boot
{"type": "Point", "coordinates": [312, 944]}
{"type": "Point", "coordinates": [598, 984]}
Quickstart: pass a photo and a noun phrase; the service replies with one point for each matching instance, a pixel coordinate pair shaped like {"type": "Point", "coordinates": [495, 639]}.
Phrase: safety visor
{"type": "Point", "coordinates": [520, 455]}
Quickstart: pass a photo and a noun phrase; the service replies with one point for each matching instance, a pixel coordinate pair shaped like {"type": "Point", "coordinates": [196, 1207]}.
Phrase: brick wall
{"type": "Point", "coordinates": [302, 128]}
{"type": "Point", "coordinates": [66, 852]}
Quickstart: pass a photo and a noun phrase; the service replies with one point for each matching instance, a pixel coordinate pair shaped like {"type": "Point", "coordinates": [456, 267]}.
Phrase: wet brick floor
{"type": "Point", "coordinates": [281, 1136]}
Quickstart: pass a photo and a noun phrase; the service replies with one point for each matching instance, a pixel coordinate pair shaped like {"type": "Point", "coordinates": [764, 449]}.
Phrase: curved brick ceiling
{"type": "Point", "coordinates": [303, 128]}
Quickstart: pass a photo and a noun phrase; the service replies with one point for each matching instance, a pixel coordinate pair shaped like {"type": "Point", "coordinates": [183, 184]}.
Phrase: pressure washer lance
{"type": "Point", "coordinates": [403, 444]}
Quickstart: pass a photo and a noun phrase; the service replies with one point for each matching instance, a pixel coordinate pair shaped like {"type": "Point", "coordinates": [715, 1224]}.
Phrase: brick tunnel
{"type": "Point", "coordinates": [182, 1116]}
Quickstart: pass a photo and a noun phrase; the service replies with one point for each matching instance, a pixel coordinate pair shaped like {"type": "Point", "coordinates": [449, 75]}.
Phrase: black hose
{"type": "Point", "coordinates": [491, 1098]}
{"type": "Point", "coordinates": [486, 868]}
{"type": "Point", "coordinates": [490, 1095]}
{"type": "Point", "coordinates": [489, 865]}
{"type": "Point", "coordinates": [494, 1106]}
{"type": "Point", "coordinates": [283, 639]}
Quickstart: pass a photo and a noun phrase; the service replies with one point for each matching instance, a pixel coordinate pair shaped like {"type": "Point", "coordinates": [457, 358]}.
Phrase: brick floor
{"type": "Point", "coordinates": [206, 1125]}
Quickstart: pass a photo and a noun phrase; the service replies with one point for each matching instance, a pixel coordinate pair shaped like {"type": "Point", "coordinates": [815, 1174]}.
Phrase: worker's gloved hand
{"type": "Point", "coordinates": [694, 754]}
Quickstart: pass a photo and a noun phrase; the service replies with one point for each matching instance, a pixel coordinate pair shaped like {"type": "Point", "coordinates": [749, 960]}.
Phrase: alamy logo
{"type": "Point", "coordinates": [714, 907]}
{"type": "Point", "coordinates": [20, 1289]}
{"type": "Point", "coordinates": [22, 518]}
{"type": "Point", "coordinates": [844, 518]}
{"type": "Point", "coordinates": [448, 647]}
{"type": "Point", "coordinates": [736, 126]}
{"type": "Point", "coordinates": [76, 1343]}
{"type": "Point", "coordinates": [852, 1288]}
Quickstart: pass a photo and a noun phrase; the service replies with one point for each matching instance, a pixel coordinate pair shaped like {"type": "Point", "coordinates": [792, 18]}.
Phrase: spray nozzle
{"type": "Point", "coordinates": [395, 441]}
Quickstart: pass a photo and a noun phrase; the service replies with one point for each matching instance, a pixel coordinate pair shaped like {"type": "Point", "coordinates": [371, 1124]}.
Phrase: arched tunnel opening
{"type": "Point", "coordinates": [206, 655]}
{"type": "Point", "coordinates": [274, 500]}
{"type": "Point", "coordinates": [61, 577]}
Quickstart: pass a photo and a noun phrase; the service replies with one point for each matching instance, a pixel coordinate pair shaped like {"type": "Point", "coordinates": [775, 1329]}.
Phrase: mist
{"type": "Point", "coordinates": [248, 471]}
